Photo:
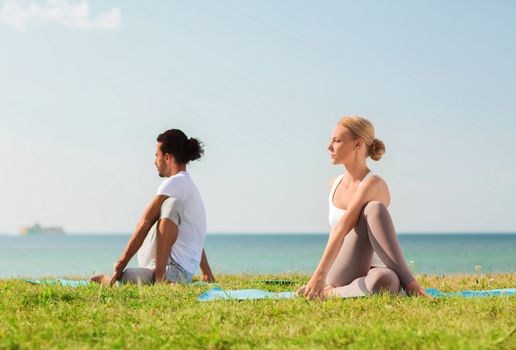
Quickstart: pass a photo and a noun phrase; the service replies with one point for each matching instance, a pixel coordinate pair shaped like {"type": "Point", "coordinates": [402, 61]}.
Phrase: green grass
{"type": "Point", "coordinates": [169, 316]}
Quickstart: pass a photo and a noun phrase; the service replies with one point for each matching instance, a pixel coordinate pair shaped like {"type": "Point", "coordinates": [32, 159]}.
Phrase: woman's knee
{"type": "Point", "coordinates": [332, 281]}
{"type": "Point", "coordinates": [374, 209]}
{"type": "Point", "coordinates": [383, 279]}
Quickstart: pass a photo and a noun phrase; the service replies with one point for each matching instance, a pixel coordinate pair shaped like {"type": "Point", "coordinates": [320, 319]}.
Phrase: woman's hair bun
{"type": "Point", "coordinates": [377, 149]}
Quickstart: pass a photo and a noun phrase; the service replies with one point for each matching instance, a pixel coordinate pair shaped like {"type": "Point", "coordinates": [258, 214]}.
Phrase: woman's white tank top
{"type": "Point", "coordinates": [336, 213]}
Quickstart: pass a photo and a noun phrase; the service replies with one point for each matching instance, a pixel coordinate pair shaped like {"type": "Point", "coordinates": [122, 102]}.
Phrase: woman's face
{"type": "Point", "coordinates": [342, 146]}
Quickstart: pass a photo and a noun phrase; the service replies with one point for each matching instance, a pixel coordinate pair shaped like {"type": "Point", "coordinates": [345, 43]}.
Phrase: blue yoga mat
{"type": "Point", "coordinates": [251, 294]}
{"type": "Point", "coordinates": [242, 294]}
{"type": "Point", "coordinates": [471, 293]}
{"type": "Point", "coordinates": [66, 283]}
{"type": "Point", "coordinates": [78, 283]}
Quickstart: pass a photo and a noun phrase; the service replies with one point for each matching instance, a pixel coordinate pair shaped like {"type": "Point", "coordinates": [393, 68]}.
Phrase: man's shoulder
{"type": "Point", "coordinates": [177, 178]}
{"type": "Point", "coordinates": [176, 184]}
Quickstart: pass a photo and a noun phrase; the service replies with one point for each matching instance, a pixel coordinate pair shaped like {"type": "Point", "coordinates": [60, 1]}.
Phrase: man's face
{"type": "Point", "coordinates": [160, 161]}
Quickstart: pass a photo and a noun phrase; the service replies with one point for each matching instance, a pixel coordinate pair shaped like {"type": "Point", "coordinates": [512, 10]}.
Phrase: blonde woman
{"type": "Point", "coordinates": [362, 256]}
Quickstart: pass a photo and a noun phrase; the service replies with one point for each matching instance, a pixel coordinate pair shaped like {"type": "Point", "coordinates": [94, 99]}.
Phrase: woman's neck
{"type": "Point", "coordinates": [357, 171]}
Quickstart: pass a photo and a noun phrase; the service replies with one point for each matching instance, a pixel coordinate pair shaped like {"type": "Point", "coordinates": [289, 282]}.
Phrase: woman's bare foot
{"type": "Point", "coordinates": [327, 291]}
{"type": "Point", "coordinates": [100, 278]}
{"type": "Point", "coordinates": [414, 289]}
{"type": "Point", "coordinates": [300, 291]}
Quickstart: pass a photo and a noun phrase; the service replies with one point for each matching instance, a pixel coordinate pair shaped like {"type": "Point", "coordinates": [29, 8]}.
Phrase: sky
{"type": "Point", "coordinates": [86, 87]}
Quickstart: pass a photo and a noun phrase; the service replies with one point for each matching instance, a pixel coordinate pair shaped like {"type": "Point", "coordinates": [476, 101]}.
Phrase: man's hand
{"type": "Point", "coordinates": [208, 277]}
{"type": "Point", "coordinates": [159, 275]}
{"type": "Point", "coordinates": [118, 269]}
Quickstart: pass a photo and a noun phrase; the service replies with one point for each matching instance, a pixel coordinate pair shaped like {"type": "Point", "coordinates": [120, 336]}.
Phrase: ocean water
{"type": "Point", "coordinates": [82, 255]}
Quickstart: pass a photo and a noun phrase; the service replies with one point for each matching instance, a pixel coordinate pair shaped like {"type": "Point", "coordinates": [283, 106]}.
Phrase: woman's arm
{"type": "Point", "coordinates": [372, 189]}
{"type": "Point", "coordinates": [149, 217]}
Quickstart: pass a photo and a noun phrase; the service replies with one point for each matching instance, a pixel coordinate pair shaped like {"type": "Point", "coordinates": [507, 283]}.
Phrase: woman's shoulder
{"type": "Point", "coordinates": [333, 179]}
{"type": "Point", "coordinates": [375, 188]}
{"type": "Point", "coordinates": [376, 177]}
{"type": "Point", "coordinates": [375, 181]}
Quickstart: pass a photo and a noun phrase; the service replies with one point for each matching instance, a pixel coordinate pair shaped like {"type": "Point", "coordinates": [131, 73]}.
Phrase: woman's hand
{"type": "Point", "coordinates": [315, 287]}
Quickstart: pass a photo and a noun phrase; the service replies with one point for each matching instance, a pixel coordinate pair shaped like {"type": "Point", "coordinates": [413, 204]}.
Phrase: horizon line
{"type": "Point", "coordinates": [255, 233]}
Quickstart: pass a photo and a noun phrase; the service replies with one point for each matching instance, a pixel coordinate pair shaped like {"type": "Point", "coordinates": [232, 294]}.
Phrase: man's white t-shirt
{"type": "Point", "coordinates": [187, 249]}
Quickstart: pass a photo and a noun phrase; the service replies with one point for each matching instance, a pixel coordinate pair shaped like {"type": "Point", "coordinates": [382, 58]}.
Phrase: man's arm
{"type": "Point", "coordinates": [149, 217]}
{"type": "Point", "coordinates": [207, 275]}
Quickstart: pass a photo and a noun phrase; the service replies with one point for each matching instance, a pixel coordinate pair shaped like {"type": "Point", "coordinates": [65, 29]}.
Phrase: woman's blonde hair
{"type": "Point", "coordinates": [362, 128]}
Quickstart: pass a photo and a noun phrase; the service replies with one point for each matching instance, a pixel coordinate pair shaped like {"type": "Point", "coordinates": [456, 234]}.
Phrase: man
{"type": "Point", "coordinates": [170, 235]}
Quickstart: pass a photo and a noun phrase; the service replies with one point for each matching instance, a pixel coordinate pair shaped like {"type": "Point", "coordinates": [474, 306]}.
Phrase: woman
{"type": "Point", "coordinates": [170, 236]}
{"type": "Point", "coordinates": [362, 256]}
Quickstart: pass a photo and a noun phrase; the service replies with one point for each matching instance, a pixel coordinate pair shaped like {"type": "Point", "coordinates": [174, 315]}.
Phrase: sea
{"type": "Point", "coordinates": [80, 255]}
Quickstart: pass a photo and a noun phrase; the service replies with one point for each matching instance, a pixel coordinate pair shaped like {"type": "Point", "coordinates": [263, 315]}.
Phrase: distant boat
{"type": "Point", "coordinates": [37, 229]}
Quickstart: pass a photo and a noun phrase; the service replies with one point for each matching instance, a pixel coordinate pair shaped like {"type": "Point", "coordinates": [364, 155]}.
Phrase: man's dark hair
{"type": "Point", "coordinates": [184, 149]}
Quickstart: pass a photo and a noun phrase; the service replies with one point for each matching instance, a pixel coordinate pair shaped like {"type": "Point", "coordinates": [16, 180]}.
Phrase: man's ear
{"type": "Point", "coordinates": [169, 157]}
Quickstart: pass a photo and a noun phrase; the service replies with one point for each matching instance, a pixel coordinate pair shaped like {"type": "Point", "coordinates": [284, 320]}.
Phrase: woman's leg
{"type": "Point", "coordinates": [354, 258]}
{"type": "Point", "coordinates": [381, 233]}
{"type": "Point", "coordinates": [374, 232]}
{"type": "Point", "coordinates": [377, 279]}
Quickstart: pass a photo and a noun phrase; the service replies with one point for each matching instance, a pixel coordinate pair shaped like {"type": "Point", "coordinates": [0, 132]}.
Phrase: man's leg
{"type": "Point", "coordinates": [100, 278]}
{"type": "Point", "coordinates": [166, 235]}
{"type": "Point", "coordinates": [146, 258]}
{"type": "Point", "coordinates": [146, 255]}
{"type": "Point", "coordinates": [137, 275]}
{"type": "Point", "coordinates": [167, 230]}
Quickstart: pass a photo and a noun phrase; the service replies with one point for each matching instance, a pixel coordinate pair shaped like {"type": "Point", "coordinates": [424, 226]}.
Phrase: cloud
{"type": "Point", "coordinates": [18, 14]}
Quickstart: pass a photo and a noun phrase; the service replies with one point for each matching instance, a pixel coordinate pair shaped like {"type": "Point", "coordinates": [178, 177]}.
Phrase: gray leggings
{"type": "Point", "coordinates": [352, 275]}
{"type": "Point", "coordinates": [174, 273]}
